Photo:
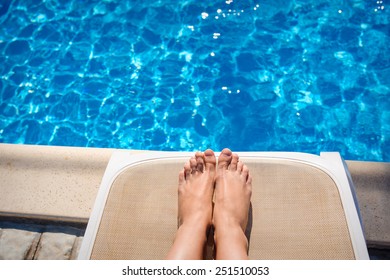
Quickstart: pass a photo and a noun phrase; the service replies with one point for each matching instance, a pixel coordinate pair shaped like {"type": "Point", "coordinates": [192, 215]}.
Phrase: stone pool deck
{"type": "Point", "coordinates": [47, 194]}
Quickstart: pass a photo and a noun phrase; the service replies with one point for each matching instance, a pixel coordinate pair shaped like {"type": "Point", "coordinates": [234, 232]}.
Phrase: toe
{"type": "Point", "coordinates": [210, 160]}
{"type": "Point", "coordinates": [240, 165]}
{"type": "Point", "coordinates": [181, 177]}
{"type": "Point", "coordinates": [234, 162]}
{"type": "Point", "coordinates": [199, 161]}
{"type": "Point", "coordinates": [193, 164]}
{"type": "Point", "coordinates": [187, 170]}
{"type": "Point", "coordinates": [249, 181]}
{"type": "Point", "coordinates": [249, 184]}
{"type": "Point", "coordinates": [245, 171]}
{"type": "Point", "coordinates": [224, 159]}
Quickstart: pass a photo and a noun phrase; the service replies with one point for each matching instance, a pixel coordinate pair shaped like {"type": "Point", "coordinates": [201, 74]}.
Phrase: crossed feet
{"type": "Point", "coordinates": [231, 185]}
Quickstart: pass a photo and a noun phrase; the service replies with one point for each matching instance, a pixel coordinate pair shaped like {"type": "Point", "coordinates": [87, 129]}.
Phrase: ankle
{"type": "Point", "coordinates": [194, 232]}
{"type": "Point", "coordinates": [198, 221]}
{"type": "Point", "coordinates": [226, 221]}
{"type": "Point", "coordinates": [231, 243]}
{"type": "Point", "coordinates": [233, 231]}
{"type": "Point", "coordinates": [196, 225]}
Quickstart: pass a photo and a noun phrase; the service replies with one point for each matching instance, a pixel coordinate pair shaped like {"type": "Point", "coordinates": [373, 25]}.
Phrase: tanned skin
{"type": "Point", "coordinates": [231, 184]}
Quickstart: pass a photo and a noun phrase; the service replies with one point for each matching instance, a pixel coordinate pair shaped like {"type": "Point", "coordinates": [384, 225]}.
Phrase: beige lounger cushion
{"type": "Point", "coordinates": [296, 213]}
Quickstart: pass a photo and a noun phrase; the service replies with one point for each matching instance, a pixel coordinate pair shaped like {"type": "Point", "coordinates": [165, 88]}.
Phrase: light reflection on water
{"type": "Point", "coordinates": [278, 75]}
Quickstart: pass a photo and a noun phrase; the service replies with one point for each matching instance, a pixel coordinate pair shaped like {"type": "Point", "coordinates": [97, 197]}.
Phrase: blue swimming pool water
{"type": "Point", "coordinates": [263, 75]}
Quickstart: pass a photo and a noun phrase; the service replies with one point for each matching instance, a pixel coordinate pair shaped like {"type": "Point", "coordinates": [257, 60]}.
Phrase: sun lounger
{"type": "Point", "coordinates": [303, 207]}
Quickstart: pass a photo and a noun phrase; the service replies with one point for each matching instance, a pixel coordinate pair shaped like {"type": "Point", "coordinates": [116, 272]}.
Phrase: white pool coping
{"type": "Point", "coordinates": [47, 182]}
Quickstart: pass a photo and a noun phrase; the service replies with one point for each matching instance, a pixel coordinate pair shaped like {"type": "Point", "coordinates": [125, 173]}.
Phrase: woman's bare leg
{"type": "Point", "coordinates": [196, 187]}
{"type": "Point", "coordinates": [233, 189]}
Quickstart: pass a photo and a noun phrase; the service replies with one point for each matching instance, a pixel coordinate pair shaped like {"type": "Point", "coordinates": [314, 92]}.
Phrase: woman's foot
{"type": "Point", "coordinates": [233, 189]}
{"type": "Point", "coordinates": [196, 188]}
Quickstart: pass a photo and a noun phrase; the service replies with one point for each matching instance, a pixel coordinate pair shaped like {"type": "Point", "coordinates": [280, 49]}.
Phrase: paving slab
{"type": "Point", "coordinates": [55, 246]}
{"type": "Point", "coordinates": [76, 248]}
{"type": "Point", "coordinates": [33, 240]}
{"type": "Point", "coordinates": [17, 244]}
{"type": "Point", "coordinates": [372, 183]}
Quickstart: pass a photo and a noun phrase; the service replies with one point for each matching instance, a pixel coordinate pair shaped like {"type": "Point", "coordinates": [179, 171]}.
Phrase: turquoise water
{"type": "Point", "coordinates": [277, 75]}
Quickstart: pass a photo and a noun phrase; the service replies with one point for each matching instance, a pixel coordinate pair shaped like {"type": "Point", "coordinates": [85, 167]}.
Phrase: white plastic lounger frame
{"type": "Point", "coordinates": [329, 162]}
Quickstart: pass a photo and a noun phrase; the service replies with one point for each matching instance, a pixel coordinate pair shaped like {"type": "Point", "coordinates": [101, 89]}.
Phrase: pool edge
{"type": "Point", "coordinates": [60, 184]}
